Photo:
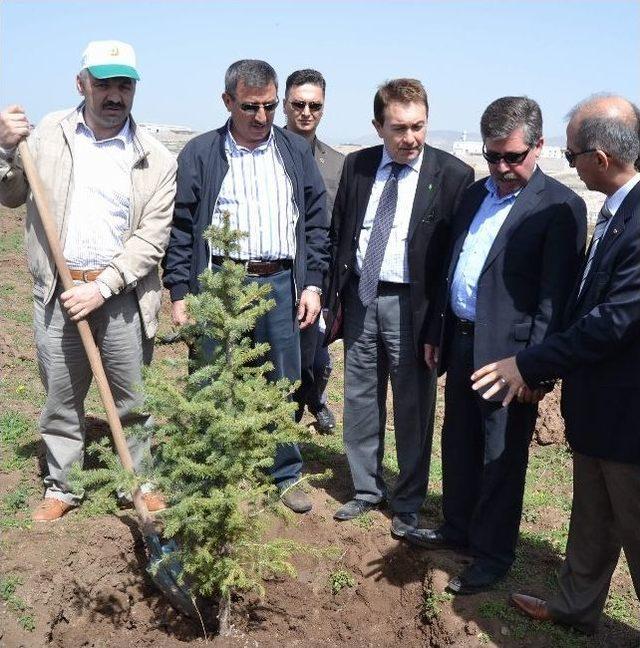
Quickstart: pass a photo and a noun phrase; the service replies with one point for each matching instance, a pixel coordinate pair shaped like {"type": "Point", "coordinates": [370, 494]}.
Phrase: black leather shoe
{"type": "Point", "coordinates": [472, 580]}
{"type": "Point", "coordinates": [325, 420]}
{"type": "Point", "coordinates": [354, 508]}
{"type": "Point", "coordinates": [294, 498]}
{"type": "Point", "coordinates": [402, 523]}
{"type": "Point", "coordinates": [431, 539]}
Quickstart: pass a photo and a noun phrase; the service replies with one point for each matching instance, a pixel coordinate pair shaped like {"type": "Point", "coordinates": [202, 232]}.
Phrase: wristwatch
{"type": "Point", "coordinates": [314, 289]}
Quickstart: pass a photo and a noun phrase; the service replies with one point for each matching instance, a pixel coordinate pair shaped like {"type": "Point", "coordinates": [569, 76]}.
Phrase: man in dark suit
{"type": "Point", "coordinates": [518, 237]}
{"type": "Point", "coordinates": [597, 356]}
{"type": "Point", "coordinates": [304, 107]}
{"type": "Point", "coordinates": [388, 236]}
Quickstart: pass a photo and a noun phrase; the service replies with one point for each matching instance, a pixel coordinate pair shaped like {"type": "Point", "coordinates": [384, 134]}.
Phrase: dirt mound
{"type": "Point", "coordinates": [550, 424]}
{"type": "Point", "coordinates": [90, 590]}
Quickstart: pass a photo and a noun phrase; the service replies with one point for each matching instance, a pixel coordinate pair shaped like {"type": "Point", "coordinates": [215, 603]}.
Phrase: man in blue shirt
{"type": "Point", "coordinates": [518, 238]}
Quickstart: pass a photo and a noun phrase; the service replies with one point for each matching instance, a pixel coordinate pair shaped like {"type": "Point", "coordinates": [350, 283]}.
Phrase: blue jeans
{"type": "Point", "coordinates": [278, 327]}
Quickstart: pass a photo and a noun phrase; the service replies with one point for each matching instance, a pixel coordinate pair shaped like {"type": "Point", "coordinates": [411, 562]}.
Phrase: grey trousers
{"type": "Point", "coordinates": [66, 375]}
{"type": "Point", "coordinates": [605, 517]}
{"type": "Point", "coordinates": [379, 346]}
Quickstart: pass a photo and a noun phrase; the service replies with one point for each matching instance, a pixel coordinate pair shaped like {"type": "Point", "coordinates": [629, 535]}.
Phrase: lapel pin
{"type": "Point", "coordinates": [430, 187]}
{"type": "Point", "coordinates": [615, 231]}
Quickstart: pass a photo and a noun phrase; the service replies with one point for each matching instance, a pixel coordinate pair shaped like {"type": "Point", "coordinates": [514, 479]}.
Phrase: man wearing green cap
{"type": "Point", "coordinates": [112, 188]}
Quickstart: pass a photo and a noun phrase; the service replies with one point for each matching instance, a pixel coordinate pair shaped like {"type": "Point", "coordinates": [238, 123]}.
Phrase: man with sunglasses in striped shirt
{"type": "Point", "coordinates": [267, 180]}
{"type": "Point", "coordinates": [303, 106]}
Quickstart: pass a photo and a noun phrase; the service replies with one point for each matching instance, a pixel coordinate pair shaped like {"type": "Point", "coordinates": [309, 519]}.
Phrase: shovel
{"type": "Point", "coordinates": [163, 567]}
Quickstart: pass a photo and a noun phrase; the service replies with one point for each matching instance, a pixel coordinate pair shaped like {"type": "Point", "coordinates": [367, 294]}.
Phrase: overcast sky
{"type": "Point", "coordinates": [466, 53]}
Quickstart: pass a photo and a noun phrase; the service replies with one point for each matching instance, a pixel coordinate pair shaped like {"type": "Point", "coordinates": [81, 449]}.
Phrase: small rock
{"type": "Point", "coordinates": [471, 628]}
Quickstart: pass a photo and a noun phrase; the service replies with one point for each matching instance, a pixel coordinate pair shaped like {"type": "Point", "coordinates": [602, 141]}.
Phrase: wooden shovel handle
{"type": "Point", "coordinates": [53, 239]}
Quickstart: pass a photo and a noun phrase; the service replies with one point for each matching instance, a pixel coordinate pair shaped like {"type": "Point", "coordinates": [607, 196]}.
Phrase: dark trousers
{"type": "Point", "coordinates": [605, 518]}
{"type": "Point", "coordinates": [315, 370]}
{"type": "Point", "coordinates": [278, 327]}
{"type": "Point", "coordinates": [485, 449]}
{"type": "Point", "coordinates": [378, 347]}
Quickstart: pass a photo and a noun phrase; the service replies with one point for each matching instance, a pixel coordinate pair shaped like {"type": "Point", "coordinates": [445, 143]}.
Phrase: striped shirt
{"type": "Point", "coordinates": [258, 194]}
{"type": "Point", "coordinates": [395, 265]}
{"type": "Point", "coordinates": [99, 217]}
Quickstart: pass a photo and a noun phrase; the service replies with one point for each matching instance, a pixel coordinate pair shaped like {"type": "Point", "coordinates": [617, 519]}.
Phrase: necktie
{"type": "Point", "coordinates": [601, 226]}
{"type": "Point", "coordinates": [382, 223]}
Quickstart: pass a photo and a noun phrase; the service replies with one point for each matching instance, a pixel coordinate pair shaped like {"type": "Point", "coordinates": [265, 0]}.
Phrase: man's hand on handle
{"type": "Point", "coordinates": [82, 300]}
{"type": "Point", "coordinates": [14, 126]}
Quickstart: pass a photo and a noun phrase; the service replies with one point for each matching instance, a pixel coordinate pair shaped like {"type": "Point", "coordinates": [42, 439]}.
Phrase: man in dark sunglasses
{"type": "Point", "coordinates": [518, 239]}
{"type": "Point", "coordinates": [267, 180]}
{"type": "Point", "coordinates": [303, 106]}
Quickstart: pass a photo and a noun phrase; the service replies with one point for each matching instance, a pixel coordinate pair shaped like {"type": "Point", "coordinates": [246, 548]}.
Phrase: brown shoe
{"type": "Point", "coordinates": [532, 607]}
{"type": "Point", "coordinates": [155, 501]}
{"type": "Point", "coordinates": [50, 509]}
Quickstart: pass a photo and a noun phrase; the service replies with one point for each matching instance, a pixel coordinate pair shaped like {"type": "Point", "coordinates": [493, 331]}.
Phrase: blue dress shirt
{"type": "Point", "coordinates": [482, 233]}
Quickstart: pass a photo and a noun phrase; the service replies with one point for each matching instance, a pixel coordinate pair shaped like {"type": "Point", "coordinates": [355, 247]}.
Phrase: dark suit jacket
{"type": "Point", "coordinates": [329, 163]}
{"type": "Point", "coordinates": [598, 355]}
{"type": "Point", "coordinates": [441, 182]}
{"type": "Point", "coordinates": [528, 274]}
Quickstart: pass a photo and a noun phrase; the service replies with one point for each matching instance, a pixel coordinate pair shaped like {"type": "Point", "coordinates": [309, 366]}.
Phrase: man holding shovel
{"type": "Point", "coordinates": [111, 189]}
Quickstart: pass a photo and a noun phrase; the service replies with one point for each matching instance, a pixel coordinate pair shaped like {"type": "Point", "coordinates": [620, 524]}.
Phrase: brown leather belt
{"type": "Point", "coordinates": [259, 268]}
{"type": "Point", "coordinates": [85, 275]}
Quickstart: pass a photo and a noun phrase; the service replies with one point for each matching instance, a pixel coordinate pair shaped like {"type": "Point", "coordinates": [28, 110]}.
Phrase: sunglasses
{"type": "Point", "coordinates": [255, 107]}
{"type": "Point", "coordinates": [314, 106]}
{"type": "Point", "coordinates": [511, 157]}
{"type": "Point", "coordinates": [571, 156]}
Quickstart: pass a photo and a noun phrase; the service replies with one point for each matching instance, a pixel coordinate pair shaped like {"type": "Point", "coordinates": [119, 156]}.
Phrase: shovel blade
{"type": "Point", "coordinates": [166, 571]}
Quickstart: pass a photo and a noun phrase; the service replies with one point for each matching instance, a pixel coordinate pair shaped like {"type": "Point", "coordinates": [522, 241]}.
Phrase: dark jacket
{"type": "Point", "coordinates": [202, 166]}
{"type": "Point", "coordinates": [528, 274]}
{"type": "Point", "coordinates": [598, 355]}
{"type": "Point", "coordinates": [330, 164]}
{"type": "Point", "coordinates": [441, 182]}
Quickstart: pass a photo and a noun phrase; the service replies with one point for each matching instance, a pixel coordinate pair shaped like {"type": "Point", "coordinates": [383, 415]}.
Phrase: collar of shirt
{"type": "Point", "coordinates": [492, 188]}
{"type": "Point", "coordinates": [237, 149]}
{"type": "Point", "coordinates": [125, 136]}
{"type": "Point", "coordinates": [614, 201]}
{"type": "Point", "coordinates": [414, 164]}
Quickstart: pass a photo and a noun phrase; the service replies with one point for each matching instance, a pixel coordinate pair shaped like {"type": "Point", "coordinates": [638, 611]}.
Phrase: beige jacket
{"type": "Point", "coordinates": [153, 187]}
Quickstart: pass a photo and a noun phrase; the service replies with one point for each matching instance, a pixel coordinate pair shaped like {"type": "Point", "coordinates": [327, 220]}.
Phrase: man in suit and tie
{"type": "Point", "coordinates": [518, 238]}
{"type": "Point", "coordinates": [304, 106]}
{"type": "Point", "coordinates": [388, 236]}
{"type": "Point", "coordinates": [597, 355]}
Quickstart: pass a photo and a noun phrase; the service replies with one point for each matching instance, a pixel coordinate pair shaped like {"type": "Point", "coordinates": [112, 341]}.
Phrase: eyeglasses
{"type": "Point", "coordinates": [314, 106]}
{"type": "Point", "coordinates": [511, 157]}
{"type": "Point", "coordinates": [571, 156]}
{"type": "Point", "coordinates": [255, 107]}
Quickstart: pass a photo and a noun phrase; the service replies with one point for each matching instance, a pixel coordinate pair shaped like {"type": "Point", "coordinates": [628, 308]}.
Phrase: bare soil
{"type": "Point", "coordinates": [83, 579]}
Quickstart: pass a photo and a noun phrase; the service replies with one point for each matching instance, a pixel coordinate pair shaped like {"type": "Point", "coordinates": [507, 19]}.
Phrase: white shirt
{"type": "Point", "coordinates": [258, 194]}
{"type": "Point", "coordinates": [395, 265]}
{"type": "Point", "coordinates": [99, 217]}
{"type": "Point", "coordinates": [614, 201]}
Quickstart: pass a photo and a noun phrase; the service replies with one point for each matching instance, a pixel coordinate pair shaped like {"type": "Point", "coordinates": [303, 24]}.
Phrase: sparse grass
{"type": "Point", "coordinates": [521, 628]}
{"type": "Point", "coordinates": [12, 242]}
{"type": "Point", "coordinates": [340, 579]}
{"type": "Point", "coordinates": [8, 586]}
{"type": "Point", "coordinates": [364, 521]}
{"type": "Point", "coordinates": [15, 430]}
{"type": "Point", "coordinates": [431, 605]}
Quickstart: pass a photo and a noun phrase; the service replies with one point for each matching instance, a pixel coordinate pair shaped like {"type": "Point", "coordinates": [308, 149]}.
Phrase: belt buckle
{"type": "Point", "coordinates": [85, 277]}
